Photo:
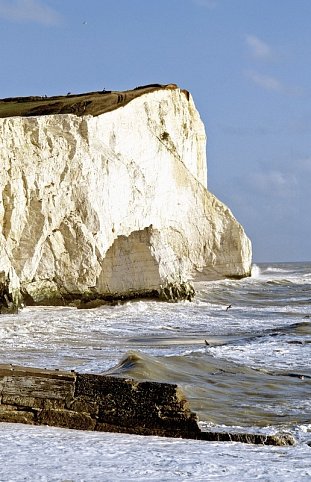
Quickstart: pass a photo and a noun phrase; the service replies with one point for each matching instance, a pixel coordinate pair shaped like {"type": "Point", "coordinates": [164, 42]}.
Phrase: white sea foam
{"type": "Point", "coordinates": [52, 455]}
{"type": "Point", "coordinates": [273, 269]}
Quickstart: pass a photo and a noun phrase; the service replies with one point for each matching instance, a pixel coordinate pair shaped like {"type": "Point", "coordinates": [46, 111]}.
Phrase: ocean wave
{"type": "Point", "coordinates": [274, 269]}
{"type": "Point", "coordinates": [227, 381]}
{"type": "Point", "coordinates": [247, 396]}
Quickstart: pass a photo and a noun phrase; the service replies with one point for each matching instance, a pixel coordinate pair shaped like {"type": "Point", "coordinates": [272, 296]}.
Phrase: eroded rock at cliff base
{"type": "Point", "coordinates": [113, 202]}
{"type": "Point", "coordinates": [134, 265]}
{"type": "Point", "coordinates": [10, 297]}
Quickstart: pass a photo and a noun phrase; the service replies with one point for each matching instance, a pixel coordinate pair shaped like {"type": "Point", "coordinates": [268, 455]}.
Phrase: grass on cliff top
{"type": "Point", "coordinates": [90, 103]}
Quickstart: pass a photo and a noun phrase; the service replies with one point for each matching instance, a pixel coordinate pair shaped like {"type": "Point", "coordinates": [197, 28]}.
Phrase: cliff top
{"type": "Point", "coordinates": [90, 103]}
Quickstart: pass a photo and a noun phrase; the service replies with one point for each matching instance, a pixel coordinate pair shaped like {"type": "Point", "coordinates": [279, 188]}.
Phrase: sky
{"type": "Point", "coordinates": [245, 62]}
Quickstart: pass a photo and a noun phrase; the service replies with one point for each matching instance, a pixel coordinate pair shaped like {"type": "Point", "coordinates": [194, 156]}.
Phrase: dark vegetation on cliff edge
{"type": "Point", "coordinates": [90, 103]}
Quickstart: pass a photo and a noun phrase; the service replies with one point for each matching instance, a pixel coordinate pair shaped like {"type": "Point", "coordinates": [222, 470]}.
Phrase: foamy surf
{"type": "Point", "coordinates": [253, 372]}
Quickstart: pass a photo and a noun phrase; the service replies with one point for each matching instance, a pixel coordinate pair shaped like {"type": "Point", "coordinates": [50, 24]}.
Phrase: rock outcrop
{"type": "Point", "coordinates": [110, 201]}
{"type": "Point", "coordinates": [108, 404]}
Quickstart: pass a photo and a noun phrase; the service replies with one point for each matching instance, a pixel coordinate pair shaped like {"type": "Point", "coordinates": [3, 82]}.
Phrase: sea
{"type": "Point", "coordinates": [240, 351]}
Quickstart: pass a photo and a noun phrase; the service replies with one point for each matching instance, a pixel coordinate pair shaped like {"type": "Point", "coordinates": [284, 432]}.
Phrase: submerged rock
{"type": "Point", "coordinates": [279, 439]}
{"type": "Point", "coordinates": [104, 196]}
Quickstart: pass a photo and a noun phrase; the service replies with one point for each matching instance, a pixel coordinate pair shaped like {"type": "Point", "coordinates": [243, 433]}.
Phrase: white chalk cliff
{"type": "Point", "coordinates": [113, 205]}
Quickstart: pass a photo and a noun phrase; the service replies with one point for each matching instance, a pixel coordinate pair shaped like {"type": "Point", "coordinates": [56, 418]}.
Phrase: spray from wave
{"type": "Point", "coordinates": [255, 271]}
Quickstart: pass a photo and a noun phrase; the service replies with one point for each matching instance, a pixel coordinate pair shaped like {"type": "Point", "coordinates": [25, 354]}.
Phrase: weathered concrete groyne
{"type": "Point", "coordinates": [106, 403]}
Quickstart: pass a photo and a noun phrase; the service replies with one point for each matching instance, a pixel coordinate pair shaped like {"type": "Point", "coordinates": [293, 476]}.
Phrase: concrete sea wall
{"type": "Point", "coordinates": [106, 403]}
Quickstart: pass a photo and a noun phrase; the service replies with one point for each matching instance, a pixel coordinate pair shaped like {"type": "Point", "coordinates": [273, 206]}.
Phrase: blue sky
{"type": "Point", "coordinates": [246, 63]}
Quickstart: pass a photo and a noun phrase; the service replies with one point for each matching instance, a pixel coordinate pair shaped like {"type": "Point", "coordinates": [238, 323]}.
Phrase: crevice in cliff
{"type": "Point", "coordinates": [8, 205]}
{"type": "Point", "coordinates": [31, 233]}
{"type": "Point", "coordinates": [161, 132]}
{"type": "Point", "coordinates": [7, 302]}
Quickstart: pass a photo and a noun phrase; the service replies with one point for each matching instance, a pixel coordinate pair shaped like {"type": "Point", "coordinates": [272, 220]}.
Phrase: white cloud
{"type": "Point", "coordinates": [258, 48]}
{"type": "Point", "coordinates": [266, 81]}
{"type": "Point", "coordinates": [274, 183]}
{"type": "Point", "coordinates": [29, 11]}
{"type": "Point", "coordinates": [279, 179]}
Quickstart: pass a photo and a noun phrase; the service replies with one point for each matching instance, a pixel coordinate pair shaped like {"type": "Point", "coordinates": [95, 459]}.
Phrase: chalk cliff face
{"type": "Point", "coordinates": [113, 205]}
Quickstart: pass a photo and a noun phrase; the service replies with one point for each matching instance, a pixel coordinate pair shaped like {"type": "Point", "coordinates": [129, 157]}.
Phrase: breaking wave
{"type": "Point", "coordinates": [226, 392]}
